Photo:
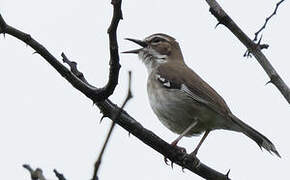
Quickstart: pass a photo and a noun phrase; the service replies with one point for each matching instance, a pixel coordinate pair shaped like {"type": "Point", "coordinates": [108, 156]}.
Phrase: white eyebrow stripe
{"type": "Point", "coordinates": [150, 38]}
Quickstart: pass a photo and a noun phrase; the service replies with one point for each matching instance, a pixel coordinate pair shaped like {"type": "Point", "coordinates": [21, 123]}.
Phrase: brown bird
{"type": "Point", "coordinates": [182, 101]}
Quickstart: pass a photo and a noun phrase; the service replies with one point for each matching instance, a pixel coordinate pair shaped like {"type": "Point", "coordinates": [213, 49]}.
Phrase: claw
{"type": "Point", "coordinates": [166, 160]}
{"type": "Point", "coordinates": [171, 164]}
{"type": "Point", "coordinates": [102, 119]}
{"type": "Point", "coordinates": [181, 149]}
{"type": "Point", "coordinates": [217, 25]}
{"type": "Point", "coordinates": [268, 82]}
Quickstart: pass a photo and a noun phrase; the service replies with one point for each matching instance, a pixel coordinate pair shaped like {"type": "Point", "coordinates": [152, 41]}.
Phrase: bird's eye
{"type": "Point", "coordinates": [156, 40]}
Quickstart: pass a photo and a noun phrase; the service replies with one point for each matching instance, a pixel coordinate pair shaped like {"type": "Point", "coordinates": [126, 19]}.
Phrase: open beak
{"type": "Point", "coordinates": [141, 43]}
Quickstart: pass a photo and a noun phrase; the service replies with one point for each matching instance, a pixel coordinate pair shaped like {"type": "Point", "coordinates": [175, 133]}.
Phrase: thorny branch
{"type": "Point", "coordinates": [255, 49]}
{"type": "Point", "coordinates": [99, 160]}
{"type": "Point", "coordinates": [267, 19]}
{"type": "Point", "coordinates": [110, 110]}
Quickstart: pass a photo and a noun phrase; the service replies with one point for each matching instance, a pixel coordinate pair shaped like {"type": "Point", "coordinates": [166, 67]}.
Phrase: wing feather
{"type": "Point", "coordinates": [193, 85]}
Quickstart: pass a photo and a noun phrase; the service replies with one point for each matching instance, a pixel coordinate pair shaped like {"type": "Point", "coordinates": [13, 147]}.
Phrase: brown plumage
{"type": "Point", "coordinates": [182, 101]}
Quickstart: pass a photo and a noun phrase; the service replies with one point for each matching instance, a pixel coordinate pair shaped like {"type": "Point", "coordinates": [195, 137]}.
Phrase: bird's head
{"type": "Point", "coordinates": [156, 49]}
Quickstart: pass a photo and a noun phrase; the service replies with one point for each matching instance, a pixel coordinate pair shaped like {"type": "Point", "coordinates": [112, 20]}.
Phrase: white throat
{"type": "Point", "coordinates": [152, 59]}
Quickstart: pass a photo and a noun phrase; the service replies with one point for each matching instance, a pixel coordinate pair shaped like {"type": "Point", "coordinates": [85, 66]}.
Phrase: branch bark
{"type": "Point", "coordinates": [108, 108]}
{"type": "Point", "coordinates": [36, 174]}
{"type": "Point", "coordinates": [255, 49]}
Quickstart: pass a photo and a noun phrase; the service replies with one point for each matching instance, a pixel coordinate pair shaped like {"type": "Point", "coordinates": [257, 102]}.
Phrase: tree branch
{"type": "Point", "coordinates": [34, 174]}
{"type": "Point", "coordinates": [255, 49]}
{"type": "Point", "coordinates": [111, 110]}
{"type": "Point", "coordinates": [115, 66]}
{"type": "Point", "coordinates": [96, 94]}
{"type": "Point", "coordinates": [99, 160]}
{"type": "Point", "coordinates": [59, 175]}
{"type": "Point", "coordinates": [267, 20]}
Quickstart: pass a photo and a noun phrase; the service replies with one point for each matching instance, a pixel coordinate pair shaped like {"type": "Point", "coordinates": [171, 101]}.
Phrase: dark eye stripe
{"type": "Point", "coordinates": [157, 39]}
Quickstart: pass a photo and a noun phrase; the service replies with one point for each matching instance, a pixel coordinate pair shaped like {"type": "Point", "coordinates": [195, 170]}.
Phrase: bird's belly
{"type": "Point", "coordinates": [177, 111]}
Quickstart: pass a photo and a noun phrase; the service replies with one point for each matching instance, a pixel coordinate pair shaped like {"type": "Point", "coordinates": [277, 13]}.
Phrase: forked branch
{"type": "Point", "coordinates": [267, 20]}
{"type": "Point", "coordinates": [255, 49]}
{"type": "Point", "coordinates": [108, 108]}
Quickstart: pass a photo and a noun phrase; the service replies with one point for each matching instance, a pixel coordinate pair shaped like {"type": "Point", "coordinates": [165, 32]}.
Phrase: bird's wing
{"type": "Point", "coordinates": [183, 78]}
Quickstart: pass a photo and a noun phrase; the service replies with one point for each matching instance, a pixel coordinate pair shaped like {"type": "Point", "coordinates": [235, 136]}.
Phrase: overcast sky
{"type": "Point", "coordinates": [47, 123]}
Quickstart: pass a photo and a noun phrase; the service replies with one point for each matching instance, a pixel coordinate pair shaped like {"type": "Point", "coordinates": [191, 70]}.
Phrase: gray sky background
{"type": "Point", "coordinates": [47, 123]}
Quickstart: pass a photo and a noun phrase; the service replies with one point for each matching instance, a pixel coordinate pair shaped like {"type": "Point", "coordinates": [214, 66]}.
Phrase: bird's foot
{"type": "Point", "coordinates": [189, 159]}
{"type": "Point", "coordinates": [181, 149]}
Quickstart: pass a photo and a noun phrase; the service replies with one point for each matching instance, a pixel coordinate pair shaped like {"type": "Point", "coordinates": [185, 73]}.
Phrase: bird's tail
{"type": "Point", "coordinates": [260, 139]}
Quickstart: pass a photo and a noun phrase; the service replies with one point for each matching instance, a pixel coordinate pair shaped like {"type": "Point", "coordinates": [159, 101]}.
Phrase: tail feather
{"type": "Point", "coordinates": [260, 139]}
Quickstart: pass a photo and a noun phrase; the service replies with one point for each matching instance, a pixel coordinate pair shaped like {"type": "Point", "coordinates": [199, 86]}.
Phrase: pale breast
{"type": "Point", "coordinates": [175, 109]}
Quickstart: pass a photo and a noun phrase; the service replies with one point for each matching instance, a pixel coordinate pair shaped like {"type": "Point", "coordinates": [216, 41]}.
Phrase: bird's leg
{"type": "Point", "coordinates": [174, 143]}
{"type": "Point", "coordinates": [194, 153]}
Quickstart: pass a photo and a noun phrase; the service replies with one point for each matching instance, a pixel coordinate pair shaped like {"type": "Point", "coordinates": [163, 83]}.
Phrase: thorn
{"type": "Point", "coordinates": [259, 42]}
{"type": "Point", "coordinates": [182, 168]}
{"type": "Point", "coordinates": [264, 46]}
{"type": "Point", "coordinates": [35, 52]}
{"type": "Point", "coordinates": [247, 54]}
{"type": "Point", "coordinates": [261, 148]}
{"type": "Point", "coordinates": [217, 25]}
{"type": "Point", "coordinates": [166, 161]}
{"type": "Point", "coordinates": [102, 119]}
{"type": "Point", "coordinates": [268, 82]}
{"type": "Point", "coordinates": [255, 39]}
{"type": "Point", "coordinates": [4, 35]}
{"type": "Point", "coordinates": [228, 173]}
{"type": "Point", "coordinates": [129, 134]}
{"type": "Point", "coordinates": [171, 164]}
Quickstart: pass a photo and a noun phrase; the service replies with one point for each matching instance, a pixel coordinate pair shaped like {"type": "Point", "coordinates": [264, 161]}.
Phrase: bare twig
{"type": "Point", "coordinates": [223, 18]}
{"type": "Point", "coordinates": [267, 19]}
{"type": "Point", "coordinates": [115, 66]}
{"type": "Point", "coordinates": [110, 110]}
{"type": "Point", "coordinates": [34, 174]}
{"type": "Point", "coordinates": [73, 68]}
{"type": "Point", "coordinates": [99, 160]}
{"type": "Point", "coordinates": [59, 175]}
